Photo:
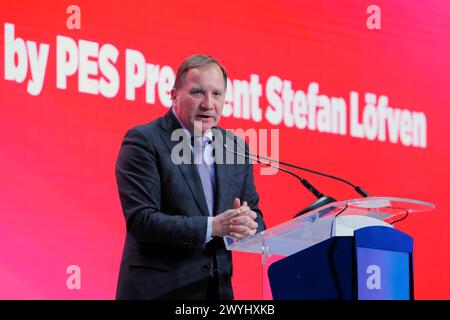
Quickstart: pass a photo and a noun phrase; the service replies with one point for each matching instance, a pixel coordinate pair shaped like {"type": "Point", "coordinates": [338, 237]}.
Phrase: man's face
{"type": "Point", "coordinates": [199, 100]}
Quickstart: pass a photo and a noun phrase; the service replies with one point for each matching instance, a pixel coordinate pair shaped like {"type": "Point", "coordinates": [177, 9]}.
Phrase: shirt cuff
{"type": "Point", "coordinates": [209, 230]}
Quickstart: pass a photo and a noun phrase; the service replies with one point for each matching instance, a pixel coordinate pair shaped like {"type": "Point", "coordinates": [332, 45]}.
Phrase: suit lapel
{"type": "Point", "coordinates": [188, 171]}
{"type": "Point", "coordinates": [222, 171]}
{"type": "Point", "coordinates": [221, 188]}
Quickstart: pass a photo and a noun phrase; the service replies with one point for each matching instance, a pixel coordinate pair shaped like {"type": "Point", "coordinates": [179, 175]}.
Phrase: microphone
{"type": "Point", "coordinates": [321, 198]}
{"type": "Point", "coordinates": [358, 189]}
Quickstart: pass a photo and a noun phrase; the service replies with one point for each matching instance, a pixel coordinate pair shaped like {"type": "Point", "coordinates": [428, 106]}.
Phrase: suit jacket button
{"type": "Point", "coordinates": [205, 268]}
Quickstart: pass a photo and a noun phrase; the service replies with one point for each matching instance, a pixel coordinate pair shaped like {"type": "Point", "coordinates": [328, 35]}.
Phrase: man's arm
{"type": "Point", "coordinates": [251, 197]}
{"type": "Point", "coordinates": [244, 225]}
{"type": "Point", "coordinates": [139, 187]}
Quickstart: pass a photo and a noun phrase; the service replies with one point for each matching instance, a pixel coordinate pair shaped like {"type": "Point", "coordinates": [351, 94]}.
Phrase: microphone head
{"type": "Point", "coordinates": [361, 192]}
{"type": "Point", "coordinates": [316, 204]}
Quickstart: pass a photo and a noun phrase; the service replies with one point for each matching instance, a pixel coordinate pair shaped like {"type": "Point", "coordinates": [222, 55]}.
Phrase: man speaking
{"type": "Point", "coordinates": [177, 214]}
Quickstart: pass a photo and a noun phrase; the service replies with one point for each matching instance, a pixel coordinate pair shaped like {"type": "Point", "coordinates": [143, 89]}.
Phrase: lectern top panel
{"type": "Point", "coordinates": [316, 225]}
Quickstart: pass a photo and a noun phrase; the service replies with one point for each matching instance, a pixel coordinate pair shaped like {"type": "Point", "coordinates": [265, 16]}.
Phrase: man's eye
{"type": "Point", "coordinates": [197, 92]}
{"type": "Point", "coordinates": [217, 93]}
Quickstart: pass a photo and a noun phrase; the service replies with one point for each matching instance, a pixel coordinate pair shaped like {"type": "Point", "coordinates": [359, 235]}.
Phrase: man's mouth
{"type": "Point", "coordinates": [204, 116]}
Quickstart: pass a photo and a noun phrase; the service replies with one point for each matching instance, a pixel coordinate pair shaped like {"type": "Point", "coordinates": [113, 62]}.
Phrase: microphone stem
{"type": "Point", "coordinates": [358, 189]}
{"type": "Point", "coordinates": [304, 182]}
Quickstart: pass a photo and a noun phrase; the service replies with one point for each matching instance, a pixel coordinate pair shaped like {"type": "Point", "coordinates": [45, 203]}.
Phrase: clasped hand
{"type": "Point", "coordinates": [238, 222]}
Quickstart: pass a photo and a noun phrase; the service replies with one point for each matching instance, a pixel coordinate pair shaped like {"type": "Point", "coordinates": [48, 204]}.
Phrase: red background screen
{"type": "Point", "coordinates": [59, 204]}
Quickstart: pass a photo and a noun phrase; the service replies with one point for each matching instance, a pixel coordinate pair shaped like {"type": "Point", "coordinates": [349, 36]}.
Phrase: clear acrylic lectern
{"type": "Point", "coordinates": [336, 219]}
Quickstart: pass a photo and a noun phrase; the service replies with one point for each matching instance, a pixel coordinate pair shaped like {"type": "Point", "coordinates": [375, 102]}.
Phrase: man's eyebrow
{"type": "Point", "coordinates": [197, 86]}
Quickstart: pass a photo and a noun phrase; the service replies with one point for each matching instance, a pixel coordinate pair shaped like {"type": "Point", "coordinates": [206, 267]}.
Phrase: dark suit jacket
{"type": "Point", "coordinates": [165, 256]}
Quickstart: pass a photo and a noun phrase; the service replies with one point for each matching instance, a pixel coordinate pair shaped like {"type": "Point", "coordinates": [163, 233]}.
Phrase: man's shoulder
{"type": "Point", "coordinates": [145, 134]}
{"type": "Point", "coordinates": [149, 126]}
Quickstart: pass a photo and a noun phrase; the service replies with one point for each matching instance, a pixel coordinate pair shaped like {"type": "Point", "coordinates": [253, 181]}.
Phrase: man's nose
{"type": "Point", "coordinates": [208, 101]}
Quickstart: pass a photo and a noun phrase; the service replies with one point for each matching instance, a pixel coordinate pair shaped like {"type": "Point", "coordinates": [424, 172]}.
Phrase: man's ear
{"type": "Point", "coordinates": [173, 95]}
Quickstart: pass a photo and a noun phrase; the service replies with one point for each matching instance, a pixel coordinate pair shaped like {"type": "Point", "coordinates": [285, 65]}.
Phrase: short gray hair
{"type": "Point", "coordinates": [196, 61]}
